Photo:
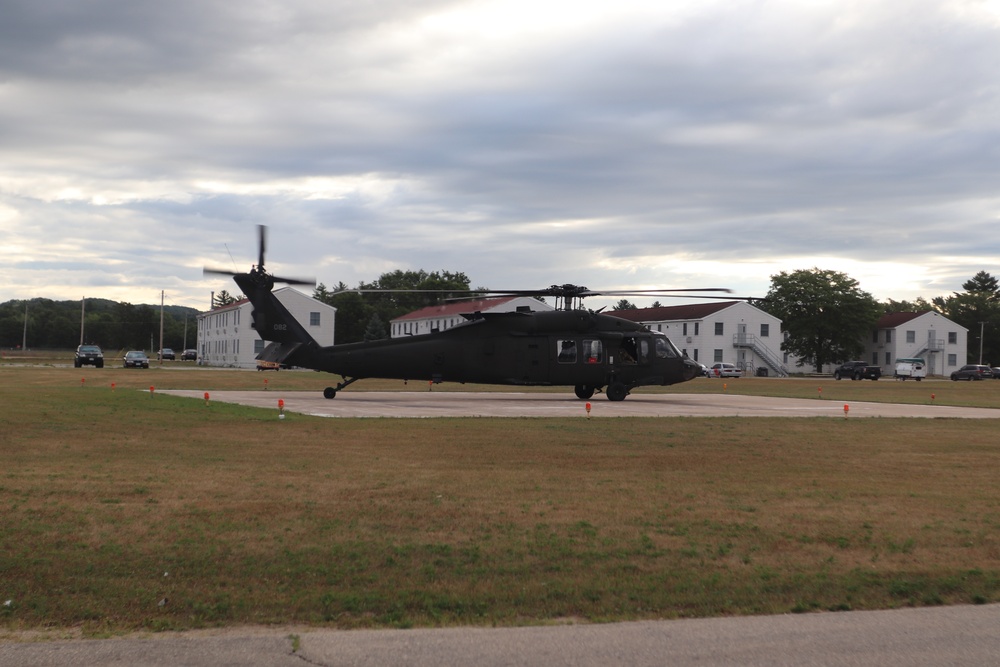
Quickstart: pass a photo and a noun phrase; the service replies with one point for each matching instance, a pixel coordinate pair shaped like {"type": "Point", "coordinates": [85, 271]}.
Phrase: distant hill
{"type": "Point", "coordinates": [110, 324]}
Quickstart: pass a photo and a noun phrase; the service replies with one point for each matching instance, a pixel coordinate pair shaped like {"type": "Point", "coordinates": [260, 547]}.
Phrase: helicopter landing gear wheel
{"type": "Point", "coordinates": [616, 391]}
{"type": "Point", "coordinates": [584, 391]}
{"type": "Point", "coordinates": [329, 392]}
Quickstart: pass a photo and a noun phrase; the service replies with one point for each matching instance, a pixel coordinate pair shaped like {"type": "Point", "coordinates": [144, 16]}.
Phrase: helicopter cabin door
{"type": "Point", "coordinates": [532, 360]}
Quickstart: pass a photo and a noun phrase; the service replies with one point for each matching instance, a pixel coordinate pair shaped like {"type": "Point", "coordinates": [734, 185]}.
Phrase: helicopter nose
{"type": "Point", "coordinates": [691, 369]}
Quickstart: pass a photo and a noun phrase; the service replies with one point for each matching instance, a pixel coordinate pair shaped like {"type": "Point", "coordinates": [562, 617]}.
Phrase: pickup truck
{"type": "Point", "coordinates": [857, 370]}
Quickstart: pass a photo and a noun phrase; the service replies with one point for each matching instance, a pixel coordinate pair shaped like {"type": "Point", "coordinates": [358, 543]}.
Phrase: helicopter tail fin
{"type": "Point", "coordinates": [289, 342]}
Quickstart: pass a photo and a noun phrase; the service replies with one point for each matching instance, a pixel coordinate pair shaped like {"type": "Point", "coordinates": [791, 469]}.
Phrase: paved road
{"type": "Point", "coordinates": [963, 635]}
{"type": "Point", "coordinates": [513, 404]}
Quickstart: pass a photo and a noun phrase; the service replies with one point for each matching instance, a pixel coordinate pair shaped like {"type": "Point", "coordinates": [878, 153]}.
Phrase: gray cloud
{"type": "Point", "coordinates": [715, 142]}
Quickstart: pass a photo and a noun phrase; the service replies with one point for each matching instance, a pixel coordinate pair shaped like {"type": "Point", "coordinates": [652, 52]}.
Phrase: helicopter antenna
{"type": "Point", "coordinates": [230, 253]}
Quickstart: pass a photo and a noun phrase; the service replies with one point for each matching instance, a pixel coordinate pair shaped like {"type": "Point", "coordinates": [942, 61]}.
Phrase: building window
{"type": "Point", "coordinates": [717, 355]}
{"type": "Point", "coordinates": [697, 326]}
{"type": "Point", "coordinates": [718, 328]}
{"type": "Point", "coordinates": [953, 360]}
{"type": "Point", "coordinates": [911, 336]}
{"type": "Point", "coordinates": [952, 337]}
{"type": "Point", "coordinates": [765, 330]}
{"type": "Point", "coordinates": [874, 358]}
{"type": "Point", "coordinates": [888, 335]}
{"type": "Point", "coordinates": [888, 358]}
{"type": "Point", "coordinates": [875, 336]}
{"type": "Point", "coordinates": [258, 346]}
{"type": "Point", "coordinates": [696, 354]}
{"type": "Point", "coordinates": [314, 319]}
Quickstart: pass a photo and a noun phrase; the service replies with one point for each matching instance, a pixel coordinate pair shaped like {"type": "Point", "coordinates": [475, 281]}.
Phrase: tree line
{"type": "Point", "coordinates": [47, 324]}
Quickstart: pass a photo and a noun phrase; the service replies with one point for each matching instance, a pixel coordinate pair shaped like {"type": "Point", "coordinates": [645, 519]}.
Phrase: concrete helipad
{"type": "Point", "coordinates": [513, 404]}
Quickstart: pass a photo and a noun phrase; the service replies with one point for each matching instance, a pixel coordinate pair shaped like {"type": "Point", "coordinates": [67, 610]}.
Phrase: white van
{"type": "Point", "coordinates": [910, 368]}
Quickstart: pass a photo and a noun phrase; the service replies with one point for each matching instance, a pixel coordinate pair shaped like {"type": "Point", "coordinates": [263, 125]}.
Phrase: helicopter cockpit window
{"type": "Point", "coordinates": [593, 351]}
{"type": "Point", "coordinates": [665, 349]}
{"type": "Point", "coordinates": [567, 351]}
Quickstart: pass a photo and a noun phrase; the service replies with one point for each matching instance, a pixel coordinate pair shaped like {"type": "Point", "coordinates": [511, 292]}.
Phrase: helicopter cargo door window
{"type": "Point", "coordinates": [593, 351]}
{"type": "Point", "coordinates": [567, 351]}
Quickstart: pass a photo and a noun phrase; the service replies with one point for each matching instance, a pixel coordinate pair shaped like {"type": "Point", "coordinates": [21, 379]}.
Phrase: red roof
{"type": "Point", "coordinates": [456, 308]}
{"type": "Point", "coordinates": [893, 320]}
{"type": "Point", "coordinates": [694, 311]}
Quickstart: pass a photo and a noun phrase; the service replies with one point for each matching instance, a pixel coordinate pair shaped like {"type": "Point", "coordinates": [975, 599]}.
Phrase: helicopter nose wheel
{"type": "Point", "coordinates": [329, 393]}
{"type": "Point", "coordinates": [583, 391]}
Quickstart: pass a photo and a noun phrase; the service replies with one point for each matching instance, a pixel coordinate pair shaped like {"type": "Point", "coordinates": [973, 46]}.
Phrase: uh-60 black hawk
{"type": "Point", "coordinates": [570, 346]}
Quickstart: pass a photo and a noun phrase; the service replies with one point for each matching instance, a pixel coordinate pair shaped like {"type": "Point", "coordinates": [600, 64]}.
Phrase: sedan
{"type": "Point", "coordinates": [724, 371]}
{"type": "Point", "coordinates": [972, 372]}
{"type": "Point", "coordinates": [189, 355]}
{"type": "Point", "coordinates": [136, 359]}
{"type": "Point", "coordinates": [167, 353]}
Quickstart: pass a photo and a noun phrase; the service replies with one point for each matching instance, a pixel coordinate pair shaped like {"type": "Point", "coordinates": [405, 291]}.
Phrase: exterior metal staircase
{"type": "Point", "coordinates": [755, 344]}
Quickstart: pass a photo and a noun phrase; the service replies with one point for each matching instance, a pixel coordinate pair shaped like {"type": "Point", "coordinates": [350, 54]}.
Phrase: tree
{"type": "Point", "coordinates": [825, 315]}
{"type": "Point", "coordinates": [978, 310]}
{"type": "Point", "coordinates": [624, 304]}
{"type": "Point", "coordinates": [355, 310]}
{"type": "Point", "coordinates": [224, 298]}
{"type": "Point", "coordinates": [920, 305]}
{"type": "Point", "coordinates": [375, 329]}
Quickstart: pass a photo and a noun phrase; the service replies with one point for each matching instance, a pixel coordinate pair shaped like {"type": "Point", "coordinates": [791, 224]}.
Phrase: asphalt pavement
{"type": "Point", "coordinates": [417, 404]}
{"type": "Point", "coordinates": [929, 636]}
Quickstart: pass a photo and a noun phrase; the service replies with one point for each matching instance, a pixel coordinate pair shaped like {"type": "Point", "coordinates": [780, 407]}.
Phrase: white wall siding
{"type": "Point", "coordinates": [227, 339]}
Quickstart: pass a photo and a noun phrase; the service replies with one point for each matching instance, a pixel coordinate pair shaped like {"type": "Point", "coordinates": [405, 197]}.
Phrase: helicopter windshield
{"type": "Point", "coordinates": [665, 349]}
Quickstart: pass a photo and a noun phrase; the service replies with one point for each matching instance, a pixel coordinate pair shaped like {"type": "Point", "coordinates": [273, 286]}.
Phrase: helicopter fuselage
{"type": "Point", "coordinates": [580, 349]}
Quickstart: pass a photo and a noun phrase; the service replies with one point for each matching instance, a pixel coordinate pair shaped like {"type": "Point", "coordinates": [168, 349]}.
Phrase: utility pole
{"type": "Point", "coordinates": [24, 339]}
{"type": "Point", "coordinates": [83, 308]}
{"type": "Point", "coordinates": [161, 327]}
{"type": "Point", "coordinates": [981, 324]}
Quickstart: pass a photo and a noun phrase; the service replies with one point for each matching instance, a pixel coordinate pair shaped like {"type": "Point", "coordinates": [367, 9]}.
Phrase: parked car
{"type": "Point", "coordinates": [136, 359]}
{"type": "Point", "coordinates": [704, 369]}
{"type": "Point", "coordinates": [724, 371]}
{"type": "Point", "coordinates": [167, 353]}
{"type": "Point", "coordinates": [89, 355]}
{"type": "Point", "coordinates": [189, 355]}
{"type": "Point", "coordinates": [996, 372]}
{"type": "Point", "coordinates": [857, 370]}
{"type": "Point", "coordinates": [972, 372]}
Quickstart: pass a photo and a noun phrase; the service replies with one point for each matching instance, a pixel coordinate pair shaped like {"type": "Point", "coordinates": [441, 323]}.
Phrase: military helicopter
{"type": "Point", "coordinates": [570, 346]}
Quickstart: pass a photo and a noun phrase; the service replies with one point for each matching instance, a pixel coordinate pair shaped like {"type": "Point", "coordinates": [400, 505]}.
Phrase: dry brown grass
{"type": "Point", "coordinates": [112, 501]}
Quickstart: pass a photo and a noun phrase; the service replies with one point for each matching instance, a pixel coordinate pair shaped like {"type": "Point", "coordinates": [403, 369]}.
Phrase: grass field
{"type": "Point", "coordinates": [123, 511]}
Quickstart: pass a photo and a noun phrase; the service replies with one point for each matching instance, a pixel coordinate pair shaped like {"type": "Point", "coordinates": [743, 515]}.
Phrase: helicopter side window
{"type": "Point", "coordinates": [567, 351]}
{"type": "Point", "coordinates": [665, 349]}
{"type": "Point", "coordinates": [593, 351]}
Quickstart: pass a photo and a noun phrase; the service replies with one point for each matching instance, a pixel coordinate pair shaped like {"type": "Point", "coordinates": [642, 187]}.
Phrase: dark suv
{"type": "Point", "coordinates": [972, 372]}
{"type": "Point", "coordinates": [89, 355]}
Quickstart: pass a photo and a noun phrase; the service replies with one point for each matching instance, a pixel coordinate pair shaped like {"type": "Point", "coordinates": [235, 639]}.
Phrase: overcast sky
{"type": "Point", "coordinates": [612, 144]}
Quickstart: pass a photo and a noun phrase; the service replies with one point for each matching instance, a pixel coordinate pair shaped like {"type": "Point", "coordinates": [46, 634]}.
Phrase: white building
{"type": "Point", "coordinates": [927, 335]}
{"type": "Point", "coordinates": [445, 316]}
{"type": "Point", "coordinates": [726, 331]}
{"type": "Point", "coordinates": [226, 337]}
